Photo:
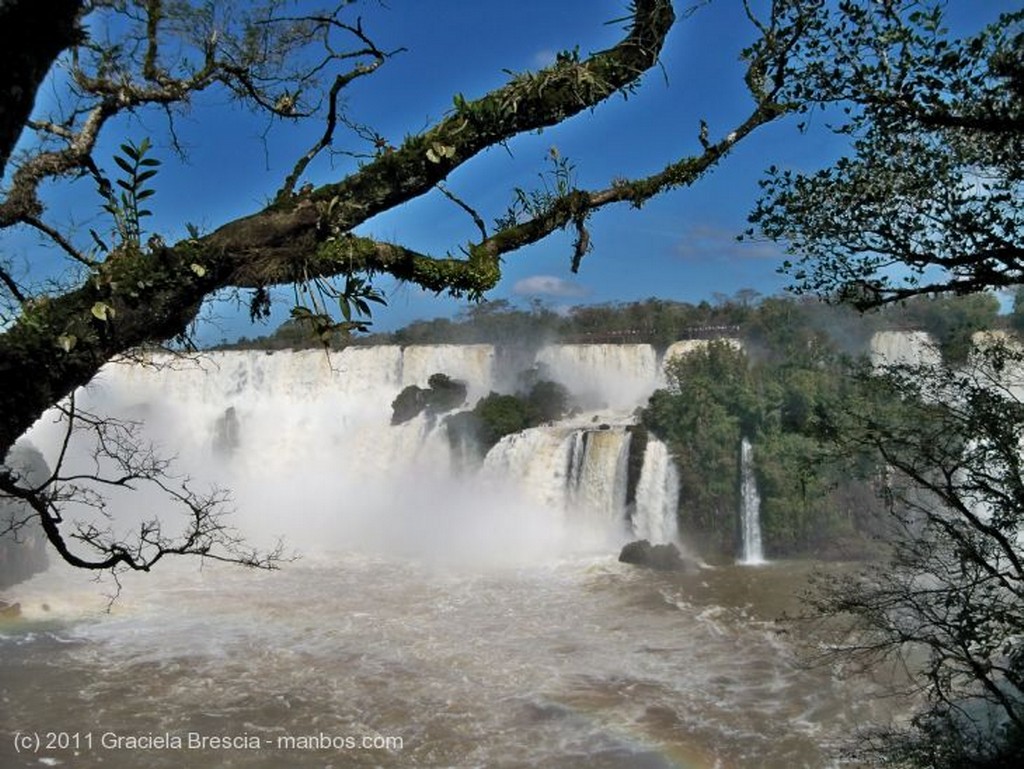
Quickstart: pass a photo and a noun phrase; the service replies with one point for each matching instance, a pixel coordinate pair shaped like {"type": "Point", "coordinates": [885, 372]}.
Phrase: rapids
{"type": "Point", "coordinates": [437, 618]}
{"type": "Point", "coordinates": [578, 662]}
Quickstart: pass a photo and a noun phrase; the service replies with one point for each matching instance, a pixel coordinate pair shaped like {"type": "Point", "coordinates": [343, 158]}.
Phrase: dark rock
{"type": "Point", "coordinates": [638, 437]}
{"type": "Point", "coordinates": [227, 432]}
{"type": "Point", "coordinates": [409, 403]}
{"type": "Point", "coordinates": [445, 393]}
{"type": "Point", "coordinates": [659, 557]}
{"type": "Point", "coordinates": [442, 394]}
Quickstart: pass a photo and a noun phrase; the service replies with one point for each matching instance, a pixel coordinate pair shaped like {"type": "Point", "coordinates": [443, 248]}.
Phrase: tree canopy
{"type": "Point", "coordinates": [945, 603]}
{"type": "Point", "coordinates": [930, 197]}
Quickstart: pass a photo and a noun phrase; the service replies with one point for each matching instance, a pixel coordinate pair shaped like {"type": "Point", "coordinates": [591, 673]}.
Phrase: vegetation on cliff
{"type": "Point", "coordinates": [811, 503]}
{"type": "Point", "coordinates": [497, 415]}
{"type": "Point", "coordinates": [441, 394]}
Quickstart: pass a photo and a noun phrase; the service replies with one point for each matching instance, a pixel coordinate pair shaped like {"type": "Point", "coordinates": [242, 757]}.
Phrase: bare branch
{"type": "Point", "coordinates": [117, 446]}
{"type": "Point", "coordinates": [477, 219]}
{"type": "Point", "coordinates": [60, 240]}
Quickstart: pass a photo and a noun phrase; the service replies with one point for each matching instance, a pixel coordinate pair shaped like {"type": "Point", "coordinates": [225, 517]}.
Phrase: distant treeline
{"type": "Point", "coordinates": [764, 322]}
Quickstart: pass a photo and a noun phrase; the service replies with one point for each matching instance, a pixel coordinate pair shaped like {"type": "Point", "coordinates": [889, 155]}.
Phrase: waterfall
{"type": "Point", "coordinates": [750, 508]}
{"type": "Point", "coordinates": [599, 493]}
{"type": "Point", "coordinates": [581, 475]}
{"type": "Point", "coordinates": [610, 376]}
{"type": "Point", "coordinates": [244, 420]}
{"type": "Point", "coordinates": [657, 496]}
{"type": "Point", "coordinates": [910, 348]}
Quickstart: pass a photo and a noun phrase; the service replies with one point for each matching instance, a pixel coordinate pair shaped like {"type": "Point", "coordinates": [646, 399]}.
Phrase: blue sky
{"type": "Point", "coordinates": [680, 246]}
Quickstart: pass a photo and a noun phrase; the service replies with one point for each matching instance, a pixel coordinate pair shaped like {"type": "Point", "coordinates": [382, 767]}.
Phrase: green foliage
{"type": "Point", "coordinates": [810, 503]}
{"type": "Point", "coordinates": [355, 299]}
{"type": "Point", "coordinates": [353, 302]}
{"type": "Point", "coordinates": [780, 326]}
{"type": "Point", "coordinates": [696, 418]}
{"type": "Point", "coordinates": [947, 604]}
{"type": "Point", "coordinates": [929, 199]}
{"type": "Point", "coordinates": [555, 183]}
{"type": "Point", "coordinates": [408, 404]}
{"type": "Point", "coordinates": [441, 394]}
{"type": "Point", "coordinates": [546, 402]}
{"type": "Point", "coordinates": [498, 415]}
{"type": "Point", "coordinates": [125, 206]}
{"type": "Point", "coordinates": [446, 393]}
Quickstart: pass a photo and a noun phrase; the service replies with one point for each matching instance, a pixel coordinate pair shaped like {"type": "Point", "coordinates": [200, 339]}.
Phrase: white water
{"type": "Point", "coordinates": [657, 495]}
{"type": "Point", "coordinates": [908, 348]}
{"type": "Point", "coordinates": [322, 422]}
{"type": "Point", "coordinates": [482, 619]}
{"type": "Point", "coordinates": [750, 508]}
{"type": "Point", "coordinates": [610, 376]}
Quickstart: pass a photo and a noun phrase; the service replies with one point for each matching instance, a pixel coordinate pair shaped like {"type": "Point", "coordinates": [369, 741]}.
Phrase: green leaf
{"type": "Point", "coordinates": [103, 311]}
{"type": "Point", "coordinates": [99, 241]}
{"type": "Point", "coordinates": [124, 164]}
{"type": "Point", "coordinates": [143, 194]}
{"type": "Point", "coordinates": [151, 162]}
{"type": "Point", "coordinates": [198, 269]}
{"type": "Point", "coordinates": [130, 151]}
{"type": "Point", "coordinates": [140, 178]}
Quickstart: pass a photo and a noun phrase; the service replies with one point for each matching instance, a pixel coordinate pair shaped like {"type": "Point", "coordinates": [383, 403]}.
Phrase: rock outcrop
{"type": "Point", "coordinates": [660, 557]}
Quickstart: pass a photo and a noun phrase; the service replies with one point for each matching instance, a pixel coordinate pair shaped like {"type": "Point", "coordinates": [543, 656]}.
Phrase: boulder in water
{"type": "Point", "coordinates": [661, 557]}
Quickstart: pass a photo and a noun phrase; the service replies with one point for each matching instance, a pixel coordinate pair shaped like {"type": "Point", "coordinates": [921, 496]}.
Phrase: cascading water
{"type": "Point", "coordinates": [750, 508]}
{"type": "Point", "coordinates": [657, 495]}
{"type": "Point", "coordinates": [910, 348]}
{"type": "Point", "coordinates": [580, 475]}
{"type": "Point", "coordinates": [244, 419]}
{"type": "Point", "coordinates": [531, 653]}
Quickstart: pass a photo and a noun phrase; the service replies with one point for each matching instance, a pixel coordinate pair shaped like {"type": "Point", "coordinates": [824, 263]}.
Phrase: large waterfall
{"type": "Point", "coordinates": [445, 613]}
{"type": "Point", "coordinates": [246, 420]}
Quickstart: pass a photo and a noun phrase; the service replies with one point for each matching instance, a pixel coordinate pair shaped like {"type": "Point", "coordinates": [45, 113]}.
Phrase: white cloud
{"type": "Point", "coordinates": [548, 285]}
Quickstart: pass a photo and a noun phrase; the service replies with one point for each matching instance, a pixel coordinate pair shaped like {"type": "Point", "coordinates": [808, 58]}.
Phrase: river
{"type": "Point", "coordinates": [366, 661]}
{"type": "Point", "coordinates": [438, 618]}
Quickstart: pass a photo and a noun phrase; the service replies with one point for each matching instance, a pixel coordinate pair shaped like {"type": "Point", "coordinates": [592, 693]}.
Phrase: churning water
{"type": "Point", "coordinates": [580, 662]}
{"type": "Point", "coordinates": [434, 620]}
